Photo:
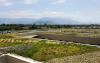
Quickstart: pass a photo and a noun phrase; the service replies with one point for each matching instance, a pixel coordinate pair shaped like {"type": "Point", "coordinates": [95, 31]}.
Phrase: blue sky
{"type": "Point", "coordinates": [87, 11]}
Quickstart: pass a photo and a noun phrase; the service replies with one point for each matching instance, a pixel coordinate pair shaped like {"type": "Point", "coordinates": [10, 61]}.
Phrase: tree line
{"type": "Point", "coordinates": [45, 26]}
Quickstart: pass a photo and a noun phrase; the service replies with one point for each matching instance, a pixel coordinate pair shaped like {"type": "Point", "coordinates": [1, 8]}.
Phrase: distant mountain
{"type": "Point", "coordinates": [42, 21]}
{"type": "Point", "coordinates": [58, 20]}
{"type": "Point", "coordinates": [45, 20]}
{"type": "Point", "coordinates": [17, 21]}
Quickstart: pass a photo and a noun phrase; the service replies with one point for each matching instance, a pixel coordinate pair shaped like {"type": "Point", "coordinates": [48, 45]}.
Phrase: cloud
{"type": "Point", "coordinates": [31, 1]}
{"type": "Point", "coordinates": [8, 4]}
{"type": "Point", "coordinates": [31, 14]}
{"type": "Point", "coordinates": [86, 16]}
{"type": "Point", "coordinates": [5, 2]}
{"type": "Point", "coordinates": [2, 1]}
{"type": "Point", "coordinates": [81, 16]}
{"type": "Point", "coordinates": [18, 14]}
{"type": "Point", "coordinates": [11, 2]}
{"type": "Point", "coordinates": [59, 1]}
{"type": "Point", "coordinates": [50, 14]}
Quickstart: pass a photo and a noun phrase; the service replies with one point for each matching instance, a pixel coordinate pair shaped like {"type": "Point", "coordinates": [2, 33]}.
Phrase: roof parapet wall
{"type": "Point", "coordinates": [13, 58]}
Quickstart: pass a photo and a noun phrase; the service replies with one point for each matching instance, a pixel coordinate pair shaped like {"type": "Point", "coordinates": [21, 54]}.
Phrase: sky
{"type": "Point", "coordinates": [86, 11]}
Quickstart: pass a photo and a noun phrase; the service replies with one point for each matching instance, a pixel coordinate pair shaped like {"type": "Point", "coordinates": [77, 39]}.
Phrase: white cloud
{"type": "Point", "coordinates": [19, 14]}
{"type": "Point", "coordinates": [1, 1]}
{"type": "Point", "coordinates": [31, 14]}
{"type": "Point", "coordinates": [84, 17]}
{"type": "Point", "coordinates": [8, 4]}
{"type": "Point", "coordinates": [11, 2]}
{"type": "Point", "coordinates": [59, 1]}
{"type": "Point", "coordinates": [50, 14]}
{"type": "Point", "coordinates": [5, 2]}
{"type": "Point", "coordinates": [31, 1]}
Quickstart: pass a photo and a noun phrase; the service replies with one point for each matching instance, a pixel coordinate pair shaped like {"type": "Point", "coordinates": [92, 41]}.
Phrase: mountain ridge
{"type": "Point", "coordinates": [45, 20]}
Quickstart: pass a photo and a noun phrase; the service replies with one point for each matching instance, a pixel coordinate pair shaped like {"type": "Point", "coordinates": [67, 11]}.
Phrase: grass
{"type": "Point", "coordinates": [75, 32]}
{"type": "Point", "coordinates": [43, 51]}
{"type": "Point", "coordinates": [84, 58]}
{"type": "Point", "coordinates": [8, 44]}
{"type": "Point", "coordinates": [7, 35]}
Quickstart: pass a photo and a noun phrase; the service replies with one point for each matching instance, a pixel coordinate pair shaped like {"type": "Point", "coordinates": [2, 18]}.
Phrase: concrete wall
{"type": "Point", "coordinates": [14, 60]}
{"type": "Point", "coordinates": [3, 59]}
{"type": "Point", "coordinates": [9, 59]}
